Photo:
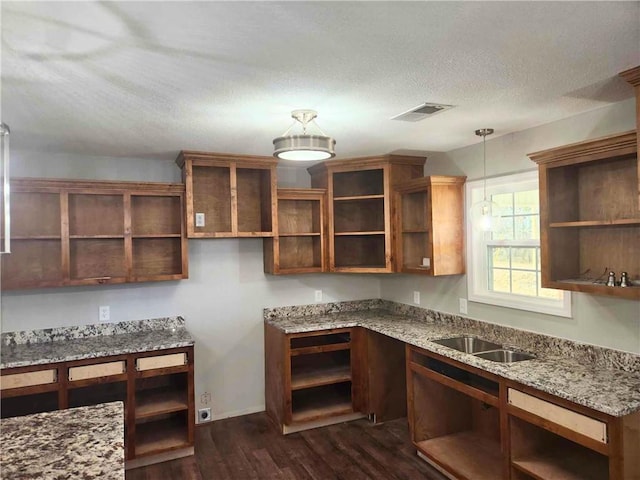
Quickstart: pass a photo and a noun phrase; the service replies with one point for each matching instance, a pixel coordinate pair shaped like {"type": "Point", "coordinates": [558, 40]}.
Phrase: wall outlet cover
{"type": "Point", "coordinates": [318, 295]}
{"type": "Point", "coordinates": [104, 313]}
{"type": "Point", "coordinates": [204, 415]}
{"type": "Point", "coordinates": [199, 219]}
{"type": "Point", "coordinates": [416, 297]}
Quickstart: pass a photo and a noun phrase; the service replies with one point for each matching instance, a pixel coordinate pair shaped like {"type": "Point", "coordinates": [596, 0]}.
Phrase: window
{"type": "Point", "coordinates": [504, 264]}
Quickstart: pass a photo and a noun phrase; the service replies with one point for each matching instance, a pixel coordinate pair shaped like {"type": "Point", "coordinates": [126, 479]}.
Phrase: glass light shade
{"type": "Point", "coordinates": [304, 147]}
{"type": "Point", "coordinates": [483, 216]}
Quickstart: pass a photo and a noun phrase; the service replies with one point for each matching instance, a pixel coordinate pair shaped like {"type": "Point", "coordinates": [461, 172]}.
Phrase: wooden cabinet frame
{"type": "Point", "coordinates": [330, 385]}
{"type": "Point", "coordinates": [359, 208]}
{"type": "Point", "coordinates": [149, 396]}
{"type": "Point", "coordinates": [300, 245]}
{"type": "Point", "coordinates": [447, 411]}
{"type": "Point", "coordinates": [589, 219]}
{"type": "Point", "coordinates": [82, 232]}
{"type": "Point", "coordinates": [223, 194]}
{"type": "Point", "coordinates": [429, 222]}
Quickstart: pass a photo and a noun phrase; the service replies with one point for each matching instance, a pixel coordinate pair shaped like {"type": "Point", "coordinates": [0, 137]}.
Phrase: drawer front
{"type": "Point", "coordinates": [587, 426]}
{"type": "Point", "coordinates": [161, 361]}
{"type": "Point", "coordinates": [28, 379]}
{"type": "Point", "coordinates": [97, 370]}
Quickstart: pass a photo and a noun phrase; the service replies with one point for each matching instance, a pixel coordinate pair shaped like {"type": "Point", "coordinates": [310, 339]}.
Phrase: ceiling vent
{"type": "Point", "coordinates": [421, 112]}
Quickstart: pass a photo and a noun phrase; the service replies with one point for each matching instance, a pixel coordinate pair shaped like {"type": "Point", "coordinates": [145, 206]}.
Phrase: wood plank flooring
{"type": "Point", "coordinates": [249, 447]}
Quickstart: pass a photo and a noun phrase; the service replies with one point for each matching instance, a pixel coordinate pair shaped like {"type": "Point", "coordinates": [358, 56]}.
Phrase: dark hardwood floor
{"type": "Point", "coordinates": [249, 447]}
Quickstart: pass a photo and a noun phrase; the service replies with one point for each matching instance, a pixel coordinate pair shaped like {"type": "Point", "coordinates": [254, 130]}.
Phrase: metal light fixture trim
{"type": "Point", "coordinates": [305, 147]}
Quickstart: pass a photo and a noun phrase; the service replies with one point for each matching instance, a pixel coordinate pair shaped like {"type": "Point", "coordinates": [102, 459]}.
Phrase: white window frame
{"type": "Point", "coordinates": [477, 261]}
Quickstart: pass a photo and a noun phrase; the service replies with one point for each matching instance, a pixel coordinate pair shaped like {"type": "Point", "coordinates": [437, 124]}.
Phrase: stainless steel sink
{"type": "Point", "coordinates": [468, 344]}
{"type": "Point", "coordinates": [505, 356]}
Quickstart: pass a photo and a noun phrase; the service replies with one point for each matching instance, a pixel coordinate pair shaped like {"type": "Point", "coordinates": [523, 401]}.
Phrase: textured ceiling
{"type": "Point", "coordinates": [146, 79]}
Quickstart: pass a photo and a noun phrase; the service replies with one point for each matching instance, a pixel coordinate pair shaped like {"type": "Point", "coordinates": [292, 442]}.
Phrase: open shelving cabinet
{"type": "Point", "coordinates": [300, 243]}
{"type": "Point", "coordinates": [430, 225]}
{"type": "Point", "coordinates": [156, 388]}
{"type": "Point", "coordinates": [360, 206]}
{"type": "Point", "coordinates": [590, 215]}
{"type": "Point", "coordinates": [229, 195]}
{"type": "Point", "coordinates": [313, 379]}
{"type": "Point", "coordinates": [454, 417]}
{"type": "Point", "coordinates": [82, 232]}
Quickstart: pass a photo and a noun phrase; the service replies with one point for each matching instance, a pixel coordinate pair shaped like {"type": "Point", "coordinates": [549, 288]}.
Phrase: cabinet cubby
{"type": "Point", "coordinates": [543, 455]}
{"type": "Point", "coordinates": [28, 404]}
{"type": "Point", "coordinates": [299, 245]}
{"type": "Point", "coordinates": [235, 194]}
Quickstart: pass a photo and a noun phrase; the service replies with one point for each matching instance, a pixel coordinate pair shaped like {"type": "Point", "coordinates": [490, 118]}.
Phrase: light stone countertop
{"type": "Point", "coordinates": [21, 349]}
{"type": "Point", "coordinates": [77, 443]}
{"type": "Point", "coordinates": [608, 390]}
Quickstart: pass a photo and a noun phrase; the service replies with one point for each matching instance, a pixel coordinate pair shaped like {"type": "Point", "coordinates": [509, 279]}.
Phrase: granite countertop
{"type": "Point", "coordinates": [609, 390]}
{"type": "Point", "coordinates": [20, 349]}
{"type": "Point", "coordinates": [77, 443]}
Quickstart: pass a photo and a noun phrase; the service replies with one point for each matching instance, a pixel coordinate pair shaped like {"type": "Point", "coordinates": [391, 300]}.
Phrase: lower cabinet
{"type": "Point", "coordinates": [473, 425]}
{"type": "Point", "coordinates": [156, 388]}
{"type": "Point", "coordinates": [313, 379]}
{"type": "Point", "coordinates": [454, 417]}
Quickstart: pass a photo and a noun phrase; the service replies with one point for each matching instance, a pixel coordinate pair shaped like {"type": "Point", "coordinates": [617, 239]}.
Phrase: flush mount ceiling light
{"type": "Point", "coordinates": [305, 147]}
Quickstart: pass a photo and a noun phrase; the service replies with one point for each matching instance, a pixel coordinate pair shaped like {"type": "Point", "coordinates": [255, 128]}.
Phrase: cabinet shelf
{"type": "Point", "coordinates": [357, 197]}
{"type": "Point", "coordinates": [300, 234]}
{"type": "Point", "coordinates": [596, 223]}
{"type": "Point", "coordinates": [318, 376]}
{"type": "Point", "coordinates": [346, 234]}
{"type": "Point", "coordinates": [91, 237]}
{"type": "Point", "coordinates": [160, 401]}
{"type": "Point", "coordinates": [161, 436]}
{"type": "Point", "coordinates": [468, 454]}
{"type": "Point", "coordinates": [320, 349]}
{"type": "Point", "coordinates": [563, 465]}
{"type": "Point", "coordinates": [37, 237]}
{"type": "Point", "coordinates": [320, 402]}
{"type": "Point", "coordinates": [159, 235]}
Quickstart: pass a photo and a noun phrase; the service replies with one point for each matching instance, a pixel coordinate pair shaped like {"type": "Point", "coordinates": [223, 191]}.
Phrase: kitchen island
{"type": "Point", "coordinates": [77, 443]}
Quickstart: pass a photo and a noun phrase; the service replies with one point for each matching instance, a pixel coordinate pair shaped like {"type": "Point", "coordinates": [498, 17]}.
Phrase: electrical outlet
{"type": "Point", "coordinates": [199, 219]}
{"type": "Point", "coordinates": [205, 398]}
{"type": "Point", "coordinates": [318, 295]}
{"type": "Point", "coordinates": [104, 313]}
{"type": "Point", "coordinates": [204, 415]}
{"type": "Point", "coordinates": [416, 297]}
{"type": "Point", "coordinates": [463, 305]}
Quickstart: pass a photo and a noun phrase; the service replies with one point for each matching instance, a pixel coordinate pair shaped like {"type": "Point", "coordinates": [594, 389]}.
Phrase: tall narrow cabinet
{"type": "Point", "coordinates": [300, 243]}
{"type": "Point", "coordinates": [360, 205]}
{"type": "Point", "coordinates": [229, 195]}
{"type": "Point", "coordinates": [430, 225]}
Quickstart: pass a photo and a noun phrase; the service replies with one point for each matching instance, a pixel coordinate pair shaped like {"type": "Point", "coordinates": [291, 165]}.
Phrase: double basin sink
{"type": "Point", "coordinates": [484, 349]}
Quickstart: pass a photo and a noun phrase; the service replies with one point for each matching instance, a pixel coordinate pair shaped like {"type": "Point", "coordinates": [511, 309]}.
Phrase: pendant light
{"type": "Point", "coordinates": [483, 213]}
{"type": "Point", "coordinates": [305, 147]}
{"type": "Point", "coordinates": [4, 201]}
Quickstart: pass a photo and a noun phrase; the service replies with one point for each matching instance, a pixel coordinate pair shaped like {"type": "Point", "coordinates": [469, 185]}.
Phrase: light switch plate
{"type": "Point", "coordinates": [199, 219]}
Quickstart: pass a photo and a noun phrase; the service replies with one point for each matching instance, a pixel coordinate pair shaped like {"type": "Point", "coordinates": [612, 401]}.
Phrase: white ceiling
{"type": "Point", "coordinates": [147, 79]}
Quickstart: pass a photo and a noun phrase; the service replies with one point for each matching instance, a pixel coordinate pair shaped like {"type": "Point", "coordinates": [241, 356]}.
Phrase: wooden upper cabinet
{"type": "Point", "coordinates": [229, 195]}
{"type": "Point", "coordinates": [589, 215]}
{"type": "Point", "coordinates": [360, 205]}
{"type": "Point", "coordinates": [81, 232]}
{"type": "Point", "coordinates": [633, 77]}
{"type": "Point", "coordinates": [429, 219]}
{"type": "Point", "coordinates": [300, 243]}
